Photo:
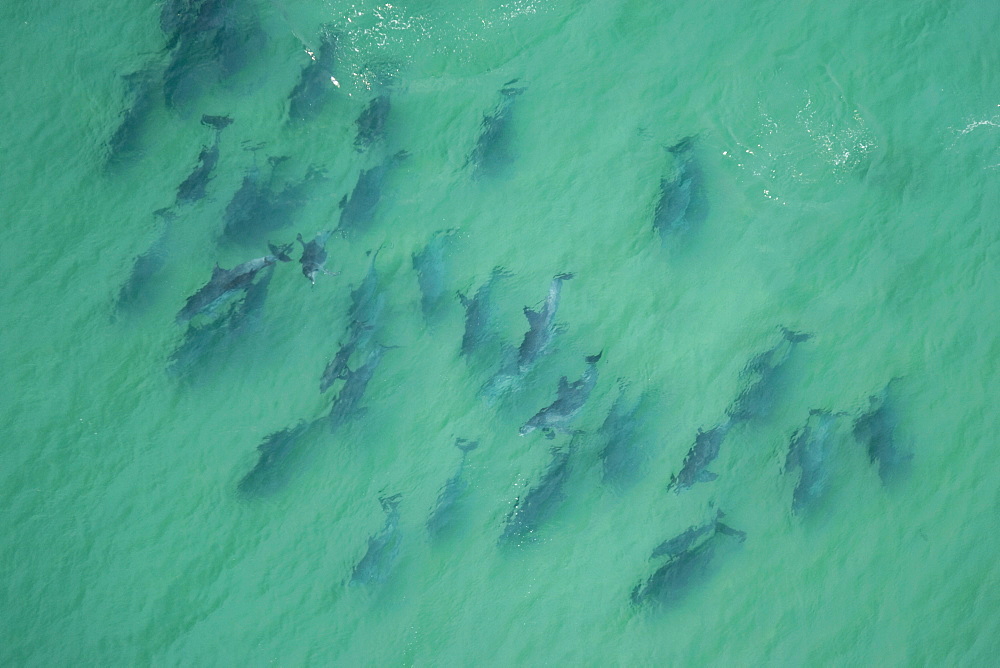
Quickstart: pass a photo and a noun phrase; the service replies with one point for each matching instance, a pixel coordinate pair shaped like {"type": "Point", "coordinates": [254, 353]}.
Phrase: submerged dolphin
{"type": "Point", "coordinates": [681, 543]}
{"type": "Point", "coordinates": [689, 565]}
{"type": "Point", "coordinates": [358, 335]}
{"type": "Point", "coordinates": [193, 187]}
{"type": "Point", "coordinates": [371, 122]}
{"type": "Point", "coordinates": [443, 515]}
{"type": "Point", "coordinates": [876, 430]}
{"type": "Point", "coordinates": [383, 547]}
{"type": "Point", "coordinates": [623, 452]}
{"type": "Point", "coordinates": [479, 314]}
{"type": "Point", "coordinates": [542, 327]}
{"type": "Point", "coordinates": [263, 205]}
{"type": "Point", "coordinates": [762, 379]}
{"type": "Point", "coordinates": [570, 400]}
{"type": "Point", "coordinates": [314, 256]}
{"type": "Point", "coordinates": [277, 456]}
{"type": "Point", "coordinates": [224, 283]}
{"type": "Point", "coordinates": [358, 209]}
{"type": "Point", "coordinates": [432, 272]}
{"type": "Point", "coordinates": [682, 200]}
{"type": "Point", "coordinates": [368, 300]}
{"type": "Point", "coordinates": [542, 500]}
{"type": "Point", "coordinates": [492, 153]}
{"type": "Point", "coordinates": [348, 401]}
{"type": "Point", "coordinates": [808, 452]}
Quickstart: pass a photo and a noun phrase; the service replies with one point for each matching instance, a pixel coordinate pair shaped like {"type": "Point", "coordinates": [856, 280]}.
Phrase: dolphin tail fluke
{"type": "Point", "coordinates": [564, 276]}
{"type": "Point", "coordinates": [217, 122]}
{"type": "Point", "coordinates": [465, 445]}
{"type": "Point", "coordinates": [795, 337]}
{"type": "Point", "coordinates": [594, 359]}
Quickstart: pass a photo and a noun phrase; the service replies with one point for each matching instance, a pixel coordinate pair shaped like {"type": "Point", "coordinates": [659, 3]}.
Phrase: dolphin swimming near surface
{"type": "Point", "coordinates": [570, 400]}
{"type": "Point", "coordinates": [432, 272]}
{"type": "Point", "coordinates": [278, 454]}
{"type": "Point", "coordinates": [479, 314]}
{"type": "Point", "coordinates": [371, 122]}
{"type": "Point", "coordinates": [314, 256]}
{"type": "Point", "coordinates": [357, 210]}
{"type": "Point", "coordinates": [443, 514]}
{"type": "Point", "coordinates": [542, 328]}
{"type": "Point", "coordinates": [492, 153]}
{"type": "Point", "coordinates": [623, 450]}
{"type": "Point", "coordinates": [358, 335]}
{"type": "Point", "coordinates": [682, 200]}
{"type": "Point", "coordinates": [348, 401]}
{"type": "Point", "coordinates": [224, 283]}
{"type": "Point", "coordinates": [542, 500]}
{"type": "Point", "coordinates": [383, 547]}
{"type": "Point", "coordinates": [316, 82]}
{"type": "Point", "coordinates": [681, 543]}
{"type": "Point", "coordinates": [368, 299]}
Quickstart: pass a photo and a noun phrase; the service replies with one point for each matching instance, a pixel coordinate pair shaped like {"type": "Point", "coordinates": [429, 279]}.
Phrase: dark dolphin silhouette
{"type": "Point", "coordinates": [383, 547]}
{"type": "Point", "coordinates": [479, 314]}
{"type": "Point", "coordinates": [704, 451]}
{"type": "Point", "coordinates": [762, 379]}
{"type": "Point", "coordinates": [432, 270]}
{"type": "Point", "coordinates": [314, 256]}
{"type": "Point", "coordinates": [316, 82]}
{"type": "Point", "coordinates": [682, 202]}
{"type": "Point", "coordinates": [541, 501]}
{"type": "Point", "coordinates": [442, 517]}
{"type": "Point", "coordinates": [193, 187]}
{"type": "Point", "coordinates": [358, 209]}
{"type": "Point", "coordinates": [223, 284]}
{"type": "Point", "coordinates": [493, 153]}
{"type": "Point", "coordinates": [371, 122]}
{"type": "Point", "coordinates": [348, 402]}
{"type": "Point", "coordinates": [542, 327]}
{"type": "Point", "coordinates": [809, 451]}
{"type": "Point", "coordinates": [570, 400]}
{"type": "Point", "coordinates": [876, 430]}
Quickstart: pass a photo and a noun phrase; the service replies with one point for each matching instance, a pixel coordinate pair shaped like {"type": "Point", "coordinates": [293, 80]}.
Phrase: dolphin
{"type": "Point", "coordinates": [358, 335]}
{"type": "Point", "coordinates": [432, 272]}
{"type": "Point", "coordinates": [876, 430]}
{"type": "Point", "coordinates": [542, 327]}
{"type": "Point", "coordinates": [492, 153]}
{"type": "Point", "coordinates": [125, 143]}
{"type": "Point", "coordinates": [224, 283]}
{"type": "Point", "coordinates": [542, 500]}
{"type": "Point", "coordinates": [681, 543]}
{"type": "Point", "coordinates": [682, 200]}
{"type": "Point", "coordinates": [347, 403]}
{"type": "Point", "coordinates": [316, 82]}
{"type": "Point", "coordinates": [443, 514]}
{"type": "Point", "coordinates": [699, 457]}
{"type": "Point", "coordinates": [808, 452]}
{"type": "Point", "coordinates": [193, 187]}
{"type": "Point", "coordinates": [358, 209]}
{"type": "Point", "coordinates": [762, 379]}
{"type": "Point", "coordinates": [140, 286]}
{"type": "Point", "coordinates": [371, 122]}
{"type": "Point", "coordinates": [278, 454]}
{"type": "Point", "coordinates": [260, 206]}
{"type": "Point", "coordinates": [368, 300]}
{"type": "Point", "coordinates": [622, 454]}
{"type": "Point", "coordinates": [383, 547]}
{"type": "Point", "coordinates": [688, 567]}
{"type": "Point", "coordinates": [314, 256]}
{"type": "Point", "coordinates": [479, 313]}
{"type": "Point", "coordinates": [570, 400]}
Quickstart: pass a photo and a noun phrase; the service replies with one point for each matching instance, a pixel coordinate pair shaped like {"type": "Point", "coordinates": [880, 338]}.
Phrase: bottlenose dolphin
{"type": "Point", "coordinates": [193, 187]}
{"type": "Point", "coordinates": [762, 379]}
{"type": "Point", "coordinates": [808, 452]}
{"type": "Point", "coordinates": [702, 453]}
{"type": "Point", "coordinates": [358, 335]}
{"type": "Point", "coordinates": [876, 430]}
{"type": "Point", "coordinates": [224, 283]}
{"type": "Point", "coordinates": [140, 286]}
{"type": "Point", "coordinates": [674, 580]}
{"type": "Point", "coordinates": [682, 200]}
{"type": "Point", "coordinates": [260, 206]}
{"type": "Point", "coordinates": [681, 543]}
{"type": "Point", "coordinates": [368, 300]}
{"type": "Point", "coordinates": [314, 256]}
{"type": "Point", "coordinates": [316, 82]}
{"type": "Point", "coordinates": [571, 398]}
{"type": "Point", "coordinates": [383, 547]}
{"type": "Point", "coordinates": [622, 453]}
{"type": "Point", "coordinates": [432, 272]}
{"type": "Point", "coordinates": [371, 122]}
{"type": "Point", "coordinates": [542, 500]}
{"type": "Point", "coordinates": [492, 153]}
{"type": "Point", "coordinates": [479, 314]}
{"type": "Point", "coordinates": [125, 142]}
{"type": "Point", "coordinates": [348, 401]}
{"type": "Point", "coordinates": [443, 515]}
{"type": "Point", "coordinates": [542, 328]}
{"type": "Point", "coordinates": [358, 209]}
{"type": "Point", "coordinates": [278, 455]}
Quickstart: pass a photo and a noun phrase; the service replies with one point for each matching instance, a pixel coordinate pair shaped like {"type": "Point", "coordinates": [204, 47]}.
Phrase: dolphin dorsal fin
{"type": "Point", "coordinates": [218, 271]}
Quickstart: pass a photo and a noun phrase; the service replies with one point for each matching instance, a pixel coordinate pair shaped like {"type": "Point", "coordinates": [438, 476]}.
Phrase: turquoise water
{"type": "Point", "coordinates": [850, 153]}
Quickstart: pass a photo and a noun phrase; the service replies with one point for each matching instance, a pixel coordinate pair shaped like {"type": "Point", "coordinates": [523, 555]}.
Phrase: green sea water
{"type": "Point", "coordinates": [851, 154]}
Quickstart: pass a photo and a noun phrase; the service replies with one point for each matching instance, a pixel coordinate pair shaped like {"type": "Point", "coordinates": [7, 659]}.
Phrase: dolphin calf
{"type": "Point", "coordinates": [690, 564]}
{"type": "Point", "coordinates": [682, 200]}
{"type": "Point", "coordinates": [808, 451]}
{"type": "Point", "coordinates": [193, 187]}
{"type": "Point", "coordinates": [443, 515]}
{"type": "Point", "coordinates": [876, 430]}
{"type": "Point", "coordinates": [224, 283]}
{"type": "Point", "coordinates": [358, 209]}
{"type": "Point", "coordinates": [492, 153]}
{"type": "Point", "coordinates": [542, 500]}
{"type": "Point", "coordinates": [570, 400]}
{"type": "Point", "coordinates": [699, 457]}
{"type": "Point", "coordinates": [479, 314]}
{"type": "Point", "coordinates": [383, 547]}
{"type": "Point", "coordinates": [316, 82]}
{"type": "Point", "coordinates": [762, 379]}
{"type": "Point", "coordinates": [314, 256]}
{"type": "Point", "coordinates": [542, 328]}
